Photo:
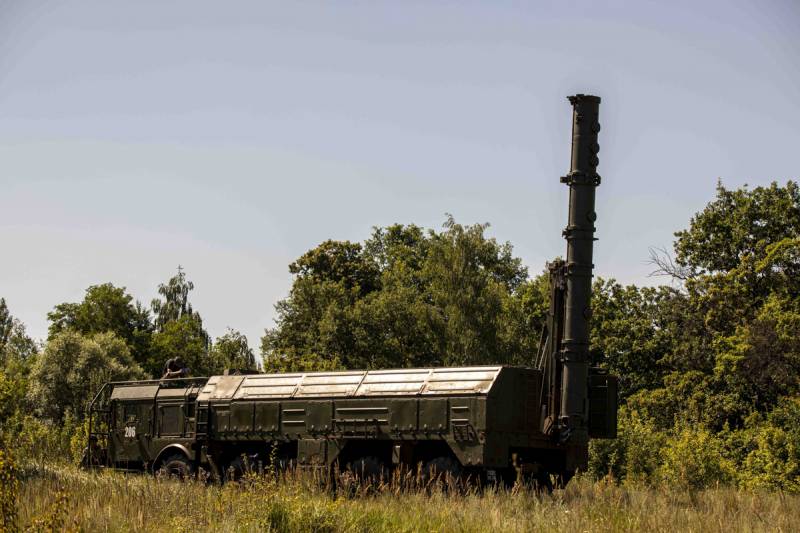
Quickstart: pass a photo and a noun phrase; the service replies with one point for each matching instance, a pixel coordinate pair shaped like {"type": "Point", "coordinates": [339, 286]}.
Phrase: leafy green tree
{"type": "Point", "coordinates": [184, 338]}
{"type": "Point", "coordinates": [470, 279]}
{"type": "Point", "coordinates": [393, 327]}
{"type": "Point", "coordinates": [106, 308]}
{"type": "Point", "coordinates": [736, 224]}
{"type": "Point", "coordinates": [232, 351]}
{"type": "Point", "coordinates": [15, 344]}
{"type": "Point", "coordinates": [179, 329]}
{"type": "Point", "coordinates": [761, 360]}
{"type": "Point", "coordinates": [406, 298]}
{"type": "Point", "coordinates": [773, 461]}
{"type": "Point", "coordinates": [694, 458]}
{"type": "Point", "coordinates": [17, 353]}
{"type": "Point", "coordinates": [339, 262]}
{"type": "Point", "coordinates": [634, 456]}
{"type": "Point", "coordinates": [175, 303]}
{"type": "Point", "coordinates": [399, 249]}
{"type": "Point", "coordinates": [73, 367]}
{"type": "Point", "coordinates": [6, 323]}
{"type": "Point", "coordinates": [311, 331]}
{"type": "Point", "coordinates": [632, 331]}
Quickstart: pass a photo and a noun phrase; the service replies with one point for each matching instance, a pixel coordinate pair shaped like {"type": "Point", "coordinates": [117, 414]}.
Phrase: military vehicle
{"type": "Point", "coordinates": [492, 422]}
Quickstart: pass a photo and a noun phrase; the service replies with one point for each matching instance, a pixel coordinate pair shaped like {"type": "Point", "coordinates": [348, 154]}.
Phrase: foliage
{"type": "Point", "coordinates": [178, 329]}
{"type": "Point", "coordinates": [9, 489]}
{"type": "Point", "coordinates": [13, 388]}
{"type": "Point", "coordinates": [774, 462]}
{"type": "Point", "coordinates": [738, 223]}
{"type": "Point", "coordinates": [105, 308]}
{"type": "Point", "coordinates": [231, 351]}
{"type": "Point", "coordinates": [693, 458]}
{"type": "Point", "coordinates": [634, 456]}
{"type": "Point", "coordinates": [71, 368]}
{"type": "Point", "coordinates": [405, 298]}
{"type": "Point", "coordinates": [185, 338]}
{"type": "Point", "coordinates": [175, 303]}
{"type": "Point", "coordinates": [725, 371]}
{"type": "Point", "coordinates": [39, 442]}
{"type": "Point", "coordinates": [631, 332]}
{"type": "Point", "coordinates": [16, 347]}
{"type": "Point", "coordinates": [17, 354]}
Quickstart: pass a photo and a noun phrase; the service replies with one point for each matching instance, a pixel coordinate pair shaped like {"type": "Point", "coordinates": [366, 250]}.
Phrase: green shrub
{"type": "Point", "coordinates": [9, 489]}
{"type": "Point", "coordinates": [693, 458]}
{"type": "Point", "coordinates": [39, 441]}
{"type": "Point", "coordinates": [774, 461]}
{"type": "Point", "coordinates": [634, 456]}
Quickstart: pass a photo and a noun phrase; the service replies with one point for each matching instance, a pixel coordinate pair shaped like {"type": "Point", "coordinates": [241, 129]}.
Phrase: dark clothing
{"type": "Point", "coordinates": [175, 368]}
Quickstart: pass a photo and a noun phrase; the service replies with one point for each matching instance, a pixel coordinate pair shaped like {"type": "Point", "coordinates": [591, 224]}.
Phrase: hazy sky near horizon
{"type": "Point", "coordinates": [230, 137]}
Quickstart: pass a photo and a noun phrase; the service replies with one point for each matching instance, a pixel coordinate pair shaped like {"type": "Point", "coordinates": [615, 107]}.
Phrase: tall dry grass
{"type": "Point", "coordinates": [64, 498]}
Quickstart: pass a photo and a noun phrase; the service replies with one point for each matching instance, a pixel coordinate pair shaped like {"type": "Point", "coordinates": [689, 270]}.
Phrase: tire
{"type": "Point", "coordinates": [368, 470]}
{"type": "Point", "coordinates": [239, 466]}
{"type": "Point", "coordinates": [98, 458]}
{"type": "Point", "coordinates": [176, 466]}
{"type": "Point", "coordinates": [543, 483]}
{"type": "Point", "coordinates": [441, 469]}
{"type": "Point", "coordinates": [562, 479]}
{"type": "Point", "coordinates": [84, 464]}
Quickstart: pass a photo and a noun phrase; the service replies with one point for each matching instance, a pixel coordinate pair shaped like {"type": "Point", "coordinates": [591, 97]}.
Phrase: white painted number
{"type": "Point", "coordinates": [130, 432]}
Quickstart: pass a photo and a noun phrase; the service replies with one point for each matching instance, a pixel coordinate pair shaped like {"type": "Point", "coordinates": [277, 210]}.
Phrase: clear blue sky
{"type": "Point", "coordinates": [230, 137]}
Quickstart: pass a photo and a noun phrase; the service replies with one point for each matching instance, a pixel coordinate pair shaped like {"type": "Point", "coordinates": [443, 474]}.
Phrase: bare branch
{"type": "Point", "coordinates": [665, 265]}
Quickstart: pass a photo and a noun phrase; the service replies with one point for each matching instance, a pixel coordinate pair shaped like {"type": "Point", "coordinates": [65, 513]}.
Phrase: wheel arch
{"type": "Point", "coordinates": [171, 449]}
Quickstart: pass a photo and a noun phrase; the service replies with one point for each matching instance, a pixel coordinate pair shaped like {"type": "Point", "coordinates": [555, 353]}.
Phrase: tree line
{"type": "Point", "coordinates": [709, 362]}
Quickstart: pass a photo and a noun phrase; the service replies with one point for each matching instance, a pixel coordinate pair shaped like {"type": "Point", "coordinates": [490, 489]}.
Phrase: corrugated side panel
{"type": "Point", "coordinates": [354, 384]}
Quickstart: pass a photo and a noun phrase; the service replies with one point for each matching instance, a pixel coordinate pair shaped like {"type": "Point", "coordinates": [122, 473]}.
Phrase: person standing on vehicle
{"type": "Point", "coordinates": [175, 368]}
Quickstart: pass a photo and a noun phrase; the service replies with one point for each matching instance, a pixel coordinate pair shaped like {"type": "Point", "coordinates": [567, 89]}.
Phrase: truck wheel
{"type": "Point", "coordinates": [442, 468]}
{"type": "Point", "coordinates": [368, 470]}
{"type": "Point", "coordinates": [241, 465]}
{"type": "Point", "coordinates": [543, 483]}
{"type": "Point", "coordinates": [85, 459]}
{"type": "Point", "coordinates": [562, 479]}
{"type": "Point", "coordinates": [176, 466]}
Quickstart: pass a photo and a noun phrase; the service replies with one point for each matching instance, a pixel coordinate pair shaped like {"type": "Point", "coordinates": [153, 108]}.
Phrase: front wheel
{"type": "Point", "coordinates": [176, 466]}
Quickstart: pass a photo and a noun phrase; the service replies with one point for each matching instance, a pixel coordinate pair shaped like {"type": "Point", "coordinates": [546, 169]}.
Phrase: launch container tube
{"type": "Point", "coordinates": [579, 233]}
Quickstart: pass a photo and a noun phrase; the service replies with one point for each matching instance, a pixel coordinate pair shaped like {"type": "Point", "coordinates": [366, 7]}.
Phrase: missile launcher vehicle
{"type": "Point", "coordinates": [492, 423]}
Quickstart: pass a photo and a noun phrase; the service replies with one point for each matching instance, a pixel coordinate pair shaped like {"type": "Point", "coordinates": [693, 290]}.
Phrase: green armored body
{"type": "Point", "coordinates": [491, 422]}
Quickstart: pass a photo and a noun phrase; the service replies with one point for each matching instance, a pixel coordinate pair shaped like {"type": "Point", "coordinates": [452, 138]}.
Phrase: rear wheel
{"type": "Point", "coordinates": [240, 465]}
{"type": "Point", "coordinates": [368, 470]}
{"type": "Point", "coordinates": [176, 466]}
{"type": "Point", "coordinates": [445, 469]}
{"type": "Point", "coordinates": [543, 483]}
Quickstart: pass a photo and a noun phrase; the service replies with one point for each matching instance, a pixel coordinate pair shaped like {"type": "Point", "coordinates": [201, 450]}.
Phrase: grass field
{"type": "Point", "coordinates": [65, 498]}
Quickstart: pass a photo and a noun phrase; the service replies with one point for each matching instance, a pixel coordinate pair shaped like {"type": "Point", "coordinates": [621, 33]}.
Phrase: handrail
{"type": "Point", "coordinates": [90, 411]}
{"type": "Point", "coordinates": [100, 395]}
{"type": "Point", "coordinates": [156, 381]}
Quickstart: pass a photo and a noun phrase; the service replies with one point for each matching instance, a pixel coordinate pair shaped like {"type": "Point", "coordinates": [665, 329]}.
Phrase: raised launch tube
{"type": "Point", "coordinates": [574, 350]}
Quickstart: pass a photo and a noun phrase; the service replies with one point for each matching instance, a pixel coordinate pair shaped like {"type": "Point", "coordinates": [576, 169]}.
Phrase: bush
{"type": "Point", "coordinates": [9, 488]}
{"type": "Point", "coordinates": [774, 462]}
{"type": "Point", "coordinates": [693, 459]}
{"type": "Point", "coordinates": [38, 442]}
{"type": "Point", "coordinates": [634, 456]}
